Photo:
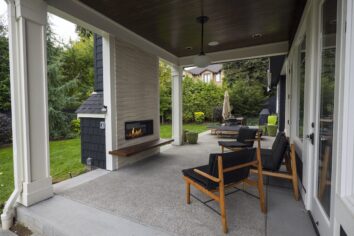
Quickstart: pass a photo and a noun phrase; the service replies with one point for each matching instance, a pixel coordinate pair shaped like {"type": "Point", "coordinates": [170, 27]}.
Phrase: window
{"type": "Point", "coordinates": [207, 77]}
{"type": "Point", "coordinates": [218, 77]}
{"type": "Point", "coordinates": [301, 88]}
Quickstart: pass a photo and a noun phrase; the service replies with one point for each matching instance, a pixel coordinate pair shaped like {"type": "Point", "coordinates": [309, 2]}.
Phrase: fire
{"type": "Point", "coordinates": [135, 133]}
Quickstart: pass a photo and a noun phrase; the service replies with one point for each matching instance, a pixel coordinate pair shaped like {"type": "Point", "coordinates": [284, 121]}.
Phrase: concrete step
{"type": "Point", "coordinates": [61, 216]}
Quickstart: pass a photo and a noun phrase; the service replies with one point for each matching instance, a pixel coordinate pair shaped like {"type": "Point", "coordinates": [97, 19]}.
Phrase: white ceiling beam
{"type": "Point", "coordinates": [265, 50]}
{"type": "Point", "coordinates": [80, 14]}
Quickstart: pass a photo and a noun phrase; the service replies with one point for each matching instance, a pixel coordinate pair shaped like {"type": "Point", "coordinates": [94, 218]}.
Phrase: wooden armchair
{"type": "Point", "coordinates": [225, 170]}
{"type": "Point", "coordinates": [245, 138]}
{"type": "Point", "coordinates": [282, 153]}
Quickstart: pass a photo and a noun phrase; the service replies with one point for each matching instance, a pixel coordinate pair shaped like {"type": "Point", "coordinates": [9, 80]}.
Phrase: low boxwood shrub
{"type": "Point", "coordinates": [199, 117]}
{"type": "Point", "coordinates": [192, 137]}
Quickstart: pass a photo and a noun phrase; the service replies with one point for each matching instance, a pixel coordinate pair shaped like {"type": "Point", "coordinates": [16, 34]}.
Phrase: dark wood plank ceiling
{"type": "Point", "coordinates": [172, 25]}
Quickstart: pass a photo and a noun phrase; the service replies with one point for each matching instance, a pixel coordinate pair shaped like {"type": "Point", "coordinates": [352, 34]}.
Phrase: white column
{"type": "Point", "coordinates": [28, 64]}
{"type": "Point", "coordinates": [177, 124]}
{"type": "Point", "coordinates": [109, 99]}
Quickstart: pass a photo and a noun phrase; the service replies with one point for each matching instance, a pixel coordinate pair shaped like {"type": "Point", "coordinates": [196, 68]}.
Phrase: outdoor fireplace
{"type": "Point", "coordinates": [137, 129]}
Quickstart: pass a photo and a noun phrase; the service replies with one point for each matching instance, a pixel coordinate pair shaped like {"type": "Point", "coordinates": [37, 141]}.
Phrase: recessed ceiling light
{"type": "Point", "coordinates": [213, 43]}
{"type": "Point", "coordinates": [188, 48]}
{"type": "Point", "coordinates": [257, 36]}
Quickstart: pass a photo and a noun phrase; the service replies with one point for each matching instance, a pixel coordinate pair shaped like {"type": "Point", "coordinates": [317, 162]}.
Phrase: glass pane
{"type": "Point", "coordinates": [328, 51]}
{"type": "Point", "coordinates": [301, 90]}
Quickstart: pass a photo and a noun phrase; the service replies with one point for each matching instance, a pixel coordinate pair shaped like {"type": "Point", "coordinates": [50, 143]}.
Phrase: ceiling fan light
{"type": "Point", "coordinates": [201, 60]}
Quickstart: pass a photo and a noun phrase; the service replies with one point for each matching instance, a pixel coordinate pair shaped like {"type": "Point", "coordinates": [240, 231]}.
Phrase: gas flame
{"type": "Point", "coordinates": [134, 133]}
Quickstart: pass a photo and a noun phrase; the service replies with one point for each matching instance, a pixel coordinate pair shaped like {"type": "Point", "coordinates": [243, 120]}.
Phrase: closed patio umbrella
{"type": "Point", "coordinates": [226, 110]}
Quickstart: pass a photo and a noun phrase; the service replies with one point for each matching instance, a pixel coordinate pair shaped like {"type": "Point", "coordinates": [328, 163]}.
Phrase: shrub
{"type": "Point", "coordinates": [75, 126]}
{"type": "Point", "coordinates": [199, 116]}
{"type": "Point", "coordinates": [272, 130]}
{"type": "Point", "coordinates": [192, 137]}
{"type": "Point", "coordinates": [5, 129]}
{"type": "Point", "coordinates": [217, 114]}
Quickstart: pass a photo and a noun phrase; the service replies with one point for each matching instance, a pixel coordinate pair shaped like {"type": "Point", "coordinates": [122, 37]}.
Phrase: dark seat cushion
{"type": "Point", "coordinates": [229, 159]}
{"type": "Point", "coordinates": [233, 144]}
{"type": "Point", "coordinates": [272, 159]}
{"type": "Point", "coordinates": [205, 182]}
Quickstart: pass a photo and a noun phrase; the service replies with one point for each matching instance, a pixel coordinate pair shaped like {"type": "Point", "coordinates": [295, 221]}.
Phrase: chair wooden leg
{"type": "Point", "coordinates": [260, 179]}
{"type": "Point", "coordinates": [222, 195]}
{"type": "Point", "coordinates": [294, 172]}
{"type": "Point", "coordinates": [188, 192]}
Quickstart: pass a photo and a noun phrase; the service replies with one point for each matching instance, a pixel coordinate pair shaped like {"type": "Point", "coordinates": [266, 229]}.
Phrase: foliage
{"type": "Point", "coordinates": [246, 97]}
{"type": "Point", "coordinates": [199, 117]}
{"type": "Point", "coordinates": [75, 126]}
{"type": "Point", "coordinates": [192, 137]}
{"type": "Point", "coordinates": [165, 91]}
{"type": "Point", "coordinates": [5, 99]}
{"type": "Point", "coordinates": [83, 32]}
{"type": "Point", "coordinates": [5, 129]}
{"type": "Point", "coordinates": [254, 70]}
{"type": "Point", "coordinates": [70, 81]}
{"type": "Point", "coordinates": [217, 114]}
{"type": "Point", "coordinates": [200, 96]}
{"type": "Point", "coordinates": [247, 85]}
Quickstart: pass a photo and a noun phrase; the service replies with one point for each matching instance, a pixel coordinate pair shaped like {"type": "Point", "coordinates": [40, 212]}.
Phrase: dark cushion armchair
{"type": "Point", "coordinates": [245, 138]}
{"type": "Point", "coordinates": [225, 170]}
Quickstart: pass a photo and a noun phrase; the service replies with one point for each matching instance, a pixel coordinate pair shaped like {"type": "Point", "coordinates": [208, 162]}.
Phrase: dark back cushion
{"type": "Point", "coordinates": [231, 159]}
{"type": "Point", "coordinates": [245, 134]}
{"type": "Point", "coordinates": [279, 148]}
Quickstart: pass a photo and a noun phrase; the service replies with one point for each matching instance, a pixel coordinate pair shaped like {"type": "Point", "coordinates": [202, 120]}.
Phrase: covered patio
{"type": "Point", "coordinates": [144, 193]}
{"type": "Point", "coordinates": [148, 198]}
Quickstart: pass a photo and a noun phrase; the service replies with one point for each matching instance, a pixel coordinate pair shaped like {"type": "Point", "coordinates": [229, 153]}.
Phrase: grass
{"type": "Point", "coordinates": [65, 159]}
{"type": "Point", "coordinates": [166, 129]}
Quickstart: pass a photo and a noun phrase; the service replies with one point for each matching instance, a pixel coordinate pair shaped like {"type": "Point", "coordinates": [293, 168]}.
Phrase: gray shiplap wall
{"type": "Point", "coordinates": [137, 94]}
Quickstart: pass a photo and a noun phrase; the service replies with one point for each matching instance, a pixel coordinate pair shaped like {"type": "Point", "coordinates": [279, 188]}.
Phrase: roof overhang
{"type": "Point", "coordinates": [85, 16]}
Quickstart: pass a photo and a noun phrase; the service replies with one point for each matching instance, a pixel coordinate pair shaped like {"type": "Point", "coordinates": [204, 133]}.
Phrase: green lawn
{"type": "Point", "coordinates": [166, 130]}
{"type": "Point", "coordinates": [65, 159]}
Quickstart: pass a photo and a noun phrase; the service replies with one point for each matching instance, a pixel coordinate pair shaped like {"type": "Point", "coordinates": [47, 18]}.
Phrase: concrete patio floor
{"type": "Point", "coordinates": [148, 198]}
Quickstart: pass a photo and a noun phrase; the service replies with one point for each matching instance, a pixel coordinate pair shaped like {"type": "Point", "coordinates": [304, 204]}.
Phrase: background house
{"type": "Point", "coordinates": [207, 74]}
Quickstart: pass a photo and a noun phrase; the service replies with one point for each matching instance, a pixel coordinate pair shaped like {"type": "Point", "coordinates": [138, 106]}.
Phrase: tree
{"type": "Point", "coordinates": [5, 98]}
{"type": "Point", "coordinates": [246, 81]}
{"type": "Point", "coordinates": [254, 70]}
{"type": "Point", "coordinates": [165, 91]}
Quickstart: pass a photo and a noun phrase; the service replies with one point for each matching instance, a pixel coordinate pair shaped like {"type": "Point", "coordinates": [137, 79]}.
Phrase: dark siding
{"type": "Point", "coordinates": [98, 63]}
{"type": "Point", "coordinates": [93, 142]}
{"type": "Point", "coordinates": [282, 96]}
{"type": "Point", "coordinates": [276, 64]}
{"type": "Point", "coordinates": [342, 232]}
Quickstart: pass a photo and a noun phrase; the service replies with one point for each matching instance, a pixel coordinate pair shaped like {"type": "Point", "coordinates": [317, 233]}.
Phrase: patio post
{"type": "Point", "coordinates": [177, 124]}
{"type": "Point", "coordinates": [108, 47]}
{"type": "Point", "coordinates": [29, 100]}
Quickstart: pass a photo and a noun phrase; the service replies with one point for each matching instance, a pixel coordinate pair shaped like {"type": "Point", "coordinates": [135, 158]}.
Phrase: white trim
{"type": "Point", "coordinates": [265, 50]}
{"type": "Point", "coordinates": [81, 14]}
{"type": "Point", "coordinates": [177, 113]}
{"type": "Point", "coordinates": [86, 115]}
{"type": "Point", "coordinates": [109, 98]}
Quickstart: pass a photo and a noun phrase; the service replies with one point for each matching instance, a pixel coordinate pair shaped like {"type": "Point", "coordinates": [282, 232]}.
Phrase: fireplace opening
{"type": "Point", "coordinates": [137, 129]}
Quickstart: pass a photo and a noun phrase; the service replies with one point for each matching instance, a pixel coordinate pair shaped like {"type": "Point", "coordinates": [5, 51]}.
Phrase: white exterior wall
{"type": "Point", "coordinates": [137, 96]}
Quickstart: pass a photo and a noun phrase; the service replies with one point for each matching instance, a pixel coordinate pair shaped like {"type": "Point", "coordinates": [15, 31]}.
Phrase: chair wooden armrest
{"type": "Point", "coordinates": [212, 178]}
{"type": "Point", "coordinates": [240, 166]}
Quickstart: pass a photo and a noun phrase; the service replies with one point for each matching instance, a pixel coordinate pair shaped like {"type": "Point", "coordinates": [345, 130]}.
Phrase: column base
{"type": "Point", "coordinates": [37, 191]}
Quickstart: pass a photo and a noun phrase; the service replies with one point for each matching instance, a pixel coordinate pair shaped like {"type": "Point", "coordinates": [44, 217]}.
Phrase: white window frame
{"type": "Point", "coordinates": [218, 77]}
{"type": "Point", "coordinates": [207, 77]}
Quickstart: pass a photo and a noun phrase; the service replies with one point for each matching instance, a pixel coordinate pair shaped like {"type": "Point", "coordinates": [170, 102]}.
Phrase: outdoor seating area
{"type": "Point", "coordinates": [149, 198]}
